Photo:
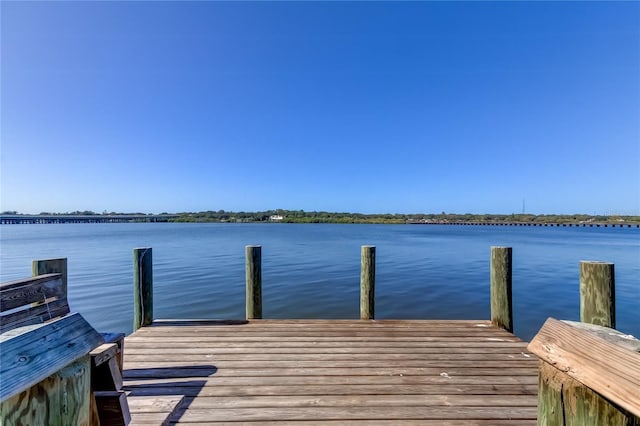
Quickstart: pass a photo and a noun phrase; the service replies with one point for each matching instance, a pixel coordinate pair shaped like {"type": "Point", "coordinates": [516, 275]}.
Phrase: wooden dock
{"type": "Point", "coordinates": [314, 372]}
{"type": "Point", "coordinates": [373, 372]}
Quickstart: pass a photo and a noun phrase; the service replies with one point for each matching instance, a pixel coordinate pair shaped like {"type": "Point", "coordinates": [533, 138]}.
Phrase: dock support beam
{"type": "Point", "coordinates": [367, 282]}
{"type": "Point", "coordinates": [253, 267]}
{"type": "Point", "coordinates": [142, 287]}
{"type": "Point", "coordinates": [597, 293]}
{"type": "Point", "coordinates": [501, 294]}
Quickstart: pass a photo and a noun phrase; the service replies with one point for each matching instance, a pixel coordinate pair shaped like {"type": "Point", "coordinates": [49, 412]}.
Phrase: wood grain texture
{"type": "Point", "coordinates": [610, 370]}
{"type": "Point", "coordinates": [154, 410]}
{"type": "Point", "coordinates": [142, 287]}
{"type": "Point", "coordinates": [36, 314]}
{"type": "Point", "coordinates": [28, 358]}
{"type": "Point", "coordinates": [340, 372]}
{"type": "Point", "coordinates": [367, 282]}
{"type": "Point", "coordinates": [14, 294]}
{"type": "Point", "coordinates": [356, 413]}
{"type": "Point", "coordinates": [61, 399]}
{"type": "Point", "coordinates": [565, 401]}
{"type": "Point", "coordinates": [51, 266]}
{"type": "Point", "coordinates": [118, 339]}
{"type": "Point", "coordinates": [501, 288]}
{"type": "Point", "coordinates": [32, 301]}
{"type": "Point", "coordinates": [598, 293]}
{"type": "Point", "coordinates": [103, 353]}
{"type": "Point", "coordinates": [253, 272]}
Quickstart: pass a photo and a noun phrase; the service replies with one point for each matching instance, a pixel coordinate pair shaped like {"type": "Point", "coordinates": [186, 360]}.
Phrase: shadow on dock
{"type": "Point", "coordinates": [159, 396]}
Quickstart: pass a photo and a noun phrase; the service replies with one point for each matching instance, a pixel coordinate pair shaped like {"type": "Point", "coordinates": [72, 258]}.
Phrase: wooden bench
{"type": "Point", "coordinates": [55, 368]}
{"type": "Point", "coordinates": [589, 375]}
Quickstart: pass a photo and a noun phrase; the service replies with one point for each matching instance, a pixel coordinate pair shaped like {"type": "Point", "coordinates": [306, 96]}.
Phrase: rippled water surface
{"type": "Point", "coordinates": [313, 271]}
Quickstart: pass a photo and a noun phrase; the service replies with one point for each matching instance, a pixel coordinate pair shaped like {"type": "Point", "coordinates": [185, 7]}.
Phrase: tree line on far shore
{"type": "Point", "coordinates": [301, 216]}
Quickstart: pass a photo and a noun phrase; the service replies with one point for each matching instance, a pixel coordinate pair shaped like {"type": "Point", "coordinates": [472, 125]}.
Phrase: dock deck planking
{"type": "Point", "coordinates": [381, 372]}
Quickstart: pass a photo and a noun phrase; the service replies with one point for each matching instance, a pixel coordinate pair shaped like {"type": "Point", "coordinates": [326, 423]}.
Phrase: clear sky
{"type": "Point", "coordinates": [372, 107]}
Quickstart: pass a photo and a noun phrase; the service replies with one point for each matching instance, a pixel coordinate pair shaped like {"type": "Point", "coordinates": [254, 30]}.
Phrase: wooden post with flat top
{"type": "Point", "coordinates": [501, 294]}
{"type": "Point", "coordinates": [253, 269]}
{"type": "Point", "coordinates": [367, 282]}
{"type": "Point", "coordinates": [142, 287]}
{"type": "Point", "coordinates": [597, 293]}
{"type": "Point", "coordinates": [51, 266]}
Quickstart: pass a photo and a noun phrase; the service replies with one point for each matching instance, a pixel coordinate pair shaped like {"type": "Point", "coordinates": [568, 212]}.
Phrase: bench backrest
{"type": "Point", "coordinates": [39, 336]}
{"type": "Point", "coordinates": [32, 301]}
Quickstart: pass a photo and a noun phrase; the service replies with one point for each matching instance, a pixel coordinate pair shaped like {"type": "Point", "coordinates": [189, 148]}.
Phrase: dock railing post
{"type": "Point", "coordinates": [253, 268]}
{"type": "Point", "coordinates": [142, 287]}
{"type": "Point", "coordinates": [51, 266]}
{"type": "Point", "coordinates": [501, 293]}
{"type": "Point", "coordinates": [597, 293]}
{"type": "Point", "coordinates": [367, 282]}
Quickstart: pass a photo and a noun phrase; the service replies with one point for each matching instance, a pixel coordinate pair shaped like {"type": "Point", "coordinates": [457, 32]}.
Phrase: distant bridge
{"type": "Point", "coordinates": [564, 225]}
{"type": "Point", "coordinates": [12, 219]}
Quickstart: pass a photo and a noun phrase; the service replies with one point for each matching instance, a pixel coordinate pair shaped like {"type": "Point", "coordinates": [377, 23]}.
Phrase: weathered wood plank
{"type": "Point", "coordinates": [169, 360]}
{"type": "Point", "coordinates": [357, 413]}
{"type": "Point", "coordinates": [361, 400]}
{"type": "Point", "coordinates": [305, 323]}
{"type": "Point", "coordinates": [383, 333]}
{"type": "Point", "coordinates": [51, 266]}
{"type": "Point", "coordinates": [154, 410]}
{"type": "Point", "coordinates": [256, 337]}
{"type": "Point", "coordinates": [296, 328]}
{"type": "Point", "coordinates": [186, 349]}
{"type": "Point", "coordinates": [281, 371]}
{"type": "Point", "coordinates": [34, 315]}
{"type": "Point", "coordinates": [30, 357]}
{"type": "Point", "coordinates": [195, 388]}
{"type": "Point", "coordinates": [205, 380]}
{"type": "Point", "coordinates": [60, 399]}
{"type": "Point", "coordinates": [440, 422]}
{"type": "Point", "coordinates": [75, 385]}
{"type": "Point", "coordinates": [363, 335]}
{"type": "Point", "coordinates": [118, 339]}
{"type": "Point", "coordinates": [154, 404]}
{"type": "Point", "coordinates": [316, 325]}
{"type": "Point", "coordinates": [616, 337]}
{"type": "Point", "coordinates": [175, 344]}
{"type": "Point", "coordinates": [14, 294]}
{"type": "Point", "coordinates": [565, 401]}
{"type": "Point", "coordinates": [142, 370]}
{"type": "Point", "coordinates": [581, 355]}
{"type": "Point", "coordinates": [373, 359]}
{"type": "Point", "coordinates": [103, 353]}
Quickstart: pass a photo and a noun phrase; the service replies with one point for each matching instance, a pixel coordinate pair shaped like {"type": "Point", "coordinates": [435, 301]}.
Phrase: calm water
{"type": "Point", "coordinates": [313, 271]}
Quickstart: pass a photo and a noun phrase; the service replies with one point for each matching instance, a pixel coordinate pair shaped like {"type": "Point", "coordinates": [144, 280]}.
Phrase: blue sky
{"type": "Point", "coordinates": [372, 107]}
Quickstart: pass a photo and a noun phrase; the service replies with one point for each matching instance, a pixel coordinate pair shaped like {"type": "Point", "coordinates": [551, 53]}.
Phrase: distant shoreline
{"type": "Point", "coordinates": [300, 216]}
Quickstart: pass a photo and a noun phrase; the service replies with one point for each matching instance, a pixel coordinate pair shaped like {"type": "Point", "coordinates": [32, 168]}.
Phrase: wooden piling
{"type": "Point", "coordinates": [51, 266]}
{"type": "Point", "coordinates": [597, 293]}
{"type": "Point", "coordinates": [253, 268]}
{"type": "Point", "coordinates": [501, 294]}
{"type": "Point", "coordinates": [367, 282]}
{"type": "Point", "coordinates": [142, 287]}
